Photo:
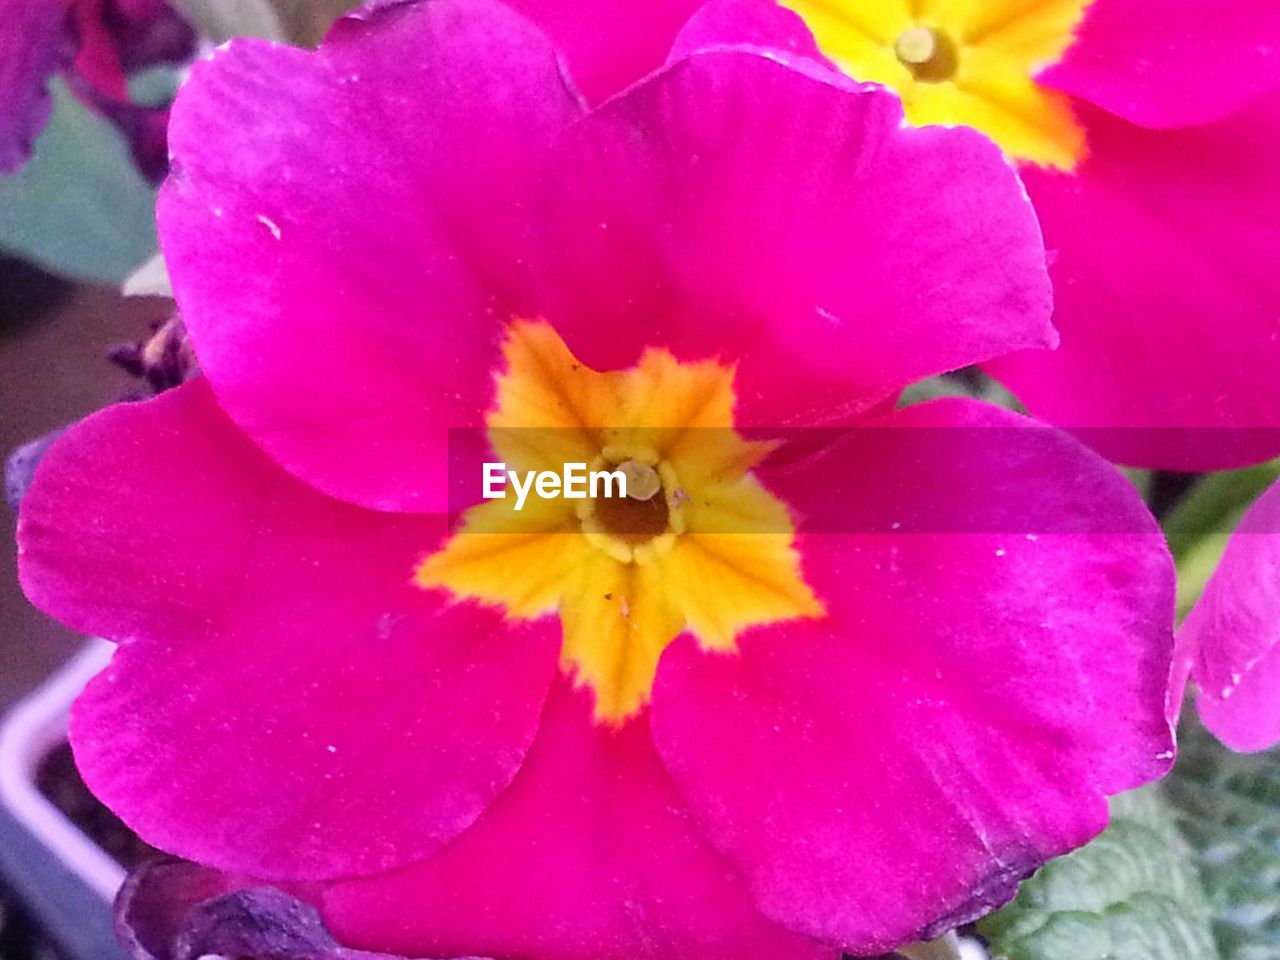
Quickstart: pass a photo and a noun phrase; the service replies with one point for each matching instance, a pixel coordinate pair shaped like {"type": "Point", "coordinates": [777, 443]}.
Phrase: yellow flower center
{"type": "Point", "coordinates": [962, 62]}
{"type": "Point", "coordinates": [697, 544]}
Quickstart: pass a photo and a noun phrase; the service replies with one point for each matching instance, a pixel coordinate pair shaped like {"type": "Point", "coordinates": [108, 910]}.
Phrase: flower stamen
{"type": "Point", "coordinates": [642, 480]}
{"type": "Point", "coordinates": [928, 54]}
{"type": "Point", "coordinates": [963, 63]}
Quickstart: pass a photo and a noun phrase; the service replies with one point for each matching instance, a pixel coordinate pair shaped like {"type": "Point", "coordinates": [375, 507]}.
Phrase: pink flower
{"type": "Point", "coordinates": [1230, 642]}
{"type": "Point", "coordinates": [1147, 133]}
{"type": "Point", "coordinates": [98, 44]}
{"type": "Point", "coordinates": [781, 702]}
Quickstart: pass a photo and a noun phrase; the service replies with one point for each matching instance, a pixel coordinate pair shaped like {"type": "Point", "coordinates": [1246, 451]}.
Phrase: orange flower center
{"type": "Point", "coordinates": [696, 544]}
{"type": "Point", "coordinates": [962, 62]}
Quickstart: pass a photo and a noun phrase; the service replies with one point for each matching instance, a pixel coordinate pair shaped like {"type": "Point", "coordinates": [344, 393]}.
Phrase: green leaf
{"type": "Point", "coordinates": [1212, 506]}
{"type": "Point", "coordinates": [220, 20]}
{"type": "Point", "coordinates": [1197, 564]}
{"type": "Point", "coordinates": [1228, 806]}
{"type": "Point", "coordinates": [79, 208]}
{"type": "Point", "coordinates": [1131, 894]}
{"type": "Point", "coordinates": [971, 383]}
{"type": "Point", "coordinates": [307, 21]}
{"type": "Point", "coordinates": [1199, 526]}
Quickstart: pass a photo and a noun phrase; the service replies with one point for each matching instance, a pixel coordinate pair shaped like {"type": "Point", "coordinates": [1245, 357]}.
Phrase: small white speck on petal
{"type": "Point", "coordinates": [270, 225]}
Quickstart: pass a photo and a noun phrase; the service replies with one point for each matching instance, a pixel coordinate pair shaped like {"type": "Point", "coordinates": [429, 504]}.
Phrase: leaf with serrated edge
{"type": "Point", "coordinates": [1228, 806]}
{"type": "Point", "coordinates": [1131, 894]}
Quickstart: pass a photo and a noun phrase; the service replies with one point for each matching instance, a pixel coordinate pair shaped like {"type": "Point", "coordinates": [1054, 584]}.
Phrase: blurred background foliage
{"type": "Point", "coordinates": [80, 209]}
{"type": "Point", "coordinates": [1188, 870]}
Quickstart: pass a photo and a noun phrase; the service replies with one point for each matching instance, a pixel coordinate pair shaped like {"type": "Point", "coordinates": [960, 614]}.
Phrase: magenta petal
{"type": "Point", "coordinates": [958, 717]}
{"type": "Point", "coordinates": [1250, 719]}
{"type": "Point", "coordinates": [1163, 251]}
{"type": "Point", "coordinates": [1232, 636]}
{"type": "Point", "coordinates": [284, 702]}
{"type": "Point", "coordinates": [589, 855]}
{"type": "Point", "coordinates": [34, 45]}
{"type": "Point", "coordinates": [1172, 63]}
{"type": "Point", "coordinates": [732, 206]}
{"type": "Point", "coordinates": [609, 44]}
{"type": "Point", "coordinates": [761, 24]}
{"type": "Point", "coordinates": [346, 231]}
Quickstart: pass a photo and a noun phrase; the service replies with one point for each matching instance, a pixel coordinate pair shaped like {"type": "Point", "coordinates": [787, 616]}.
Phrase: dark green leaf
{"type": "Point", "coordinates": [1132, 894]}
{"type": "Point", "coordinates": [1213, 505]}
{"type": "Point", "coordinates": [79, 208]}
{"type": "Point", "coordinates": [1228, 807]}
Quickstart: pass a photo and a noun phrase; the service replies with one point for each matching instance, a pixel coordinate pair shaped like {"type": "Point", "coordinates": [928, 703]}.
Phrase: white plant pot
{"type": "Point", "coordinates": [29, 733]}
